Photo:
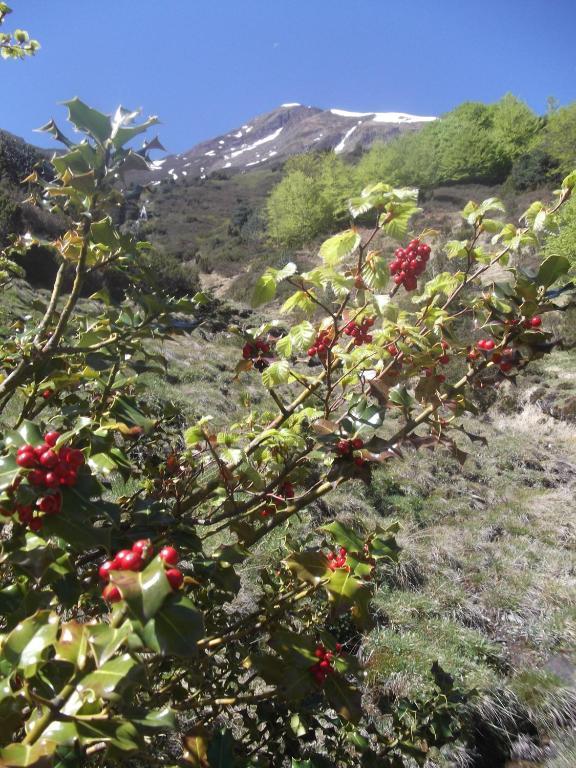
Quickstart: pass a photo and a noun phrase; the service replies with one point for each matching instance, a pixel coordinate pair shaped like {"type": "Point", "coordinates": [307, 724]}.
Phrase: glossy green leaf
{"type": "Point", "coordinates": [29, 641]}
{"type": "Point", "coordinates": [37, 755]}
{"type": "Point", "coordinates": [105, 641]}
{"type": "Point", "coordinates": [72, 644]}
{"type": "Point", "coordinates": [344, 536]}
{"type": "Point", "coordinates": [8, 471]}
{"type": "Point", "coordinates": [175, 628]}
{"type": "Point", "coordinates": [309, 566]}
{"type": "Point", "coordinates": [143, 591]}
{"type": "Point", "coordinates": [89, 120]}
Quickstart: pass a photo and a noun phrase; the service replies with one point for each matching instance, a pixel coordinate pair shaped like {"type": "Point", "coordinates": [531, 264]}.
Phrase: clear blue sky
{"type": "Point", "coordinates": [206, 66]}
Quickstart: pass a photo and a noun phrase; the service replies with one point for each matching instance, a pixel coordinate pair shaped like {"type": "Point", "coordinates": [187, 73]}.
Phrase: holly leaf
{"type": "Point", "coordinates": [175, 628]}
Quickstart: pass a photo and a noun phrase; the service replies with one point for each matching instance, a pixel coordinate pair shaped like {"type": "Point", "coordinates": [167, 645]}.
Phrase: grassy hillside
{"type": "Point", "coordinates": [486, 581]}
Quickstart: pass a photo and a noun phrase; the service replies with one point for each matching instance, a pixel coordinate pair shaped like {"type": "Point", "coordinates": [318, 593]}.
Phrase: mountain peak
{"type": "Point", "coordinates": [290, 129]}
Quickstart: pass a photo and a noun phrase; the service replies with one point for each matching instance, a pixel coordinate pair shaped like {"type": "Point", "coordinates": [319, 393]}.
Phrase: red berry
{"type": "Point", "coordinates": [52, 480]}
{"type": "Point", "coordinates": [25, 513]}
{"type": "Point", "coordinates": [536, 321]}
{"type": "Point", "coordinates": [35, 524]}
{"type": "Point", "coordinates": [357, 443]}
{"type": "Point", "coordinates": [392, 349]}
{"type": "Point", "coordinates": [47, 394]}
{"type": "Point", "coordinates": [311, 351]}
{"type": "Point", "coordinates": [444, 359]}
{"type": "Point", "coordinates": [143, 547]}
{"type": "Point", "coordinates": [338, 647]}
{"type": "Point", "coordinates": [105, 568]}
{"type": "Point", "coordinates": [175, 578]}
{"type": "Point", "coordinates": [120, 557]}
{"type": "Point", "coordinates": [27, 460]}
{"type": "Point", "coordinates": [359, 461]}
{"type": "Point", "coordinates": [506, 367]}
{"type": "Point", "coordinates": [69, 477]}
{"type": "Point", "coordinates": [50, 505]}
{"type": "Point", "coordinates": [169, 555]}
{"type": "Point", "coordinates": [51, 438]}
{"type": "Point", "coordinates": [75, 458]}
{"type": "Point", "coordinates": [48, 459]}
{"type": "Point", "coordinates": [111, 594]}
{"type": "Point", "coordinates": [37, 478]}
{"type": "Point", "coordinates": [131, 561]}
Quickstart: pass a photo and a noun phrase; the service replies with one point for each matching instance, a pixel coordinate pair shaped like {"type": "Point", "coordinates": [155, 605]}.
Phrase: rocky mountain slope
{"type": "Point", "coordinates": [289, 130]}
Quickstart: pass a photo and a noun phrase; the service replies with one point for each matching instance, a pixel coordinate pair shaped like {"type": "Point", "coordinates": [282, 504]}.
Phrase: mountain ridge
{"type": "Point", "coordinates": [290, 129]}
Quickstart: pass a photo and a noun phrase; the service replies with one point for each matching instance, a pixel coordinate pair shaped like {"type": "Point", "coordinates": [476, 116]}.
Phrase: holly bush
{"type": "Point", "coordinates": [130, 633]}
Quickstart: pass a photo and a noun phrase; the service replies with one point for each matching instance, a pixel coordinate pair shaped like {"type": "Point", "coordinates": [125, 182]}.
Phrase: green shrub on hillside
{"type": "Point", "coordinates": [473, 143]}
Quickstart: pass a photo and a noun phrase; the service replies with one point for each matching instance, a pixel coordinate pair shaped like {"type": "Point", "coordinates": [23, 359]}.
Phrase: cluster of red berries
{"type": "Point", "coordinates": [50, 468]}
{"type": "Point", "coordinates": [409, 263]}
{"type": "Point", "coordinates": [346, 448]}
{"type": "Point", "coordinates": [46, 470]}
{"type": "Point", "coordinates": [323, 667]}
{"type": "Point", "coordinates": [337, 559]}
{"type": "Point", "coordinates": [256, 351]}
{"type": "Point", "coordinates": [504, 360]}
{"type": "Point", "coordinates": [360, 332]}
{"type": "Point", "coordinates": [286, 491]}
{"type": "Point", "coordinates": [134, 560]}
{"type": "Point", "coordinates": [321, 345]}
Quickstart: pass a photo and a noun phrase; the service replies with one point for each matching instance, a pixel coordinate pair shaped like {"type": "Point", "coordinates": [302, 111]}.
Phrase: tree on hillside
{"type": "Point", "coordinates": [560, 136]}
{"type": "Point", "coordinates": [515, 127]}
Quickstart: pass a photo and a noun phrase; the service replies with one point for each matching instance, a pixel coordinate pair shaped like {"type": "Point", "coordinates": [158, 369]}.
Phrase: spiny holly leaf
{"type": "Point", "coordinates": [73, 523]}
{"type": "Point", "coordinates": [344, 536]}
{"type": "Point", "coordinates": [347, 593]}
{"type": "Point", "coordinates": [72, 645]}
{"type": "Point", "coordinates": [27, 432]}
{"type": "Point", "coordinates": [8, 471]}
{"type": "Point", "coordinates": [309, 566]}
{"type": "Point", "coordinates": [345, 699]}
{"type": "Point", "coordinates": [89, 120]}
{"type": "Point", "coordinates": [145, 591]}
{"type": "Point", "coordinates": [28, 642]}
{"type": "Point", "coordinates": [176, 628]}
{"type": "Point", "coordinates": [105, 640]}
{"type": "Point", "coordinates": [38, 755]}
{"type": "Point", "coordinates": [107, 682]}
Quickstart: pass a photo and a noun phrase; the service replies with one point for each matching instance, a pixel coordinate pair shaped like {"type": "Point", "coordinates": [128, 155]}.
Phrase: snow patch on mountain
{"type": "Point", "coordinates": [265, 140]}
{"type": "Point", "coordinates": [340, 147]}
{"type": "Point", "coordinates": [385, 117]}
